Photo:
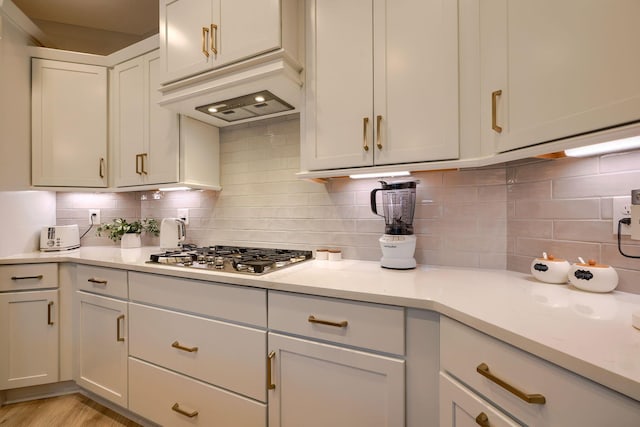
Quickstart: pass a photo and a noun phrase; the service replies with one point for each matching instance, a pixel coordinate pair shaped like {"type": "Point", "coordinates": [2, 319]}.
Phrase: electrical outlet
{"type": "Point", "coordinates": [95, 214]}
{"type": "Point", "coordinates": [621, 209]}
{"type": "Point", "coordinates": [183, 214]}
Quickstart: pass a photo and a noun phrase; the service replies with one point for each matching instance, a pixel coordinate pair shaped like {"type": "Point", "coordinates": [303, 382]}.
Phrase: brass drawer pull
{"type": "Point", "coordinates": [365, 125]}
{"type": "Point", "coordinates": [177, 345]}
{"type": "Point", "coordinates": [494, 108]}
{"type": "Point", "coordinates": [378, 138]}
{"type": "Point", "coordinates": [39, 277]}
{"type": "Point", "coordinates": [138, 156]}
{"type": "Point", "coordinates": [176, 407]}
{"type": "Point", "coordinates": [101, 168]}
{"type": "Point", "coordinates": [270, 384]}
{"type": "Point", "coordinates": [49, 307]}
{"type": "Point", "coordinates": [483, 369]}
{"type": "Point", "coordinates": [119, 336]}
{"type": "Point", "coordinates": [342, 324]}
{"type": "Point", "coordinates": [205, 31]}
{"type": "Point", "coordinates": [97, 281]}
{"type": "Point", "coordinates": [214, 38]}
{"type": "Point", "coordinates": [143, 171]}
{"type": "Point", "coordinates": [482, 420]}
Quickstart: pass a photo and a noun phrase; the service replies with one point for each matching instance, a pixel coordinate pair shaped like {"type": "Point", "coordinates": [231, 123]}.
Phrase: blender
{"type": "Point", "coordinates": [398, 242]}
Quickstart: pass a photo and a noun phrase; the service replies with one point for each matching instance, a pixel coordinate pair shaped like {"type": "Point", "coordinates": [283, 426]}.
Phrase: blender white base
{"type": "Point", "coordinates": [397, 251]}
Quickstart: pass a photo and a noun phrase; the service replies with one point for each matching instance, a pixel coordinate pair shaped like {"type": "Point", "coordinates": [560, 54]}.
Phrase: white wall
{"type": "Point", "coordinates": [23, 214]}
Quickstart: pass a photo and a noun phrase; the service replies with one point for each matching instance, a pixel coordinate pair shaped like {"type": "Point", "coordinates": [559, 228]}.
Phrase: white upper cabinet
{"type": "Point", "coordinates": [151, 145]}
{"type": "Point", "coordinates": [69, 124]}
{"type": "Point", "coordinates": [555, 69]}
{"type": "Point", "coordinates": [199, 35]}
{"type": "Point", "coordinates": [382, 83]}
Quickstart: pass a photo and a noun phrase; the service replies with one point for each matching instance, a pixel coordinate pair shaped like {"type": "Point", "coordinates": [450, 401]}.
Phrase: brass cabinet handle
{"type": "Point", "coordinates": [494, 107]}
{"type": "Point", "coordinates": [177, 345]}
{"type": "Point", "coordinates": [119, 336]}
{"type": "Point", "coordinates": [176, 407]}
{"type": "Point", "coordinates": [378, 139]}
{"type": "Point", "coordinates": [365, 125]}
{"type": "Point", "coordinates": [101, 167]}
{"type": "Point", "coordinates": [483, 369]}
{"type": "Point", "coordinates": [143, 170]}
{"type": "Point", "coordinates": [97, 281]}
{"type": "Point", "coordinates": [270, 358]}
{"type": "Point", "coordinates": [482, 420]}
{"type": "Point", "coordinates": [214, 39]}
{"type": "Point", "coordinates": [342, 324]}
{"type": "Point", "coordinates": [205, 31]}
{"type": "Point", "coordinates": [49, 307]}
{"type": "Point", "coordinates": [39, 277]}
{"type": "Point", "coordinates": [138, 156]}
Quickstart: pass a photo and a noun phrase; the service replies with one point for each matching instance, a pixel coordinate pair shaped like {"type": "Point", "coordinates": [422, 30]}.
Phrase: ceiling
{"type": "Point", "coordinates": [92, 26]}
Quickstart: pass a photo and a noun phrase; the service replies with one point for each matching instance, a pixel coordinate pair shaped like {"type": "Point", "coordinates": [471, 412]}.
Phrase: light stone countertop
{"type": "Point", "coordinates": [590, 334]}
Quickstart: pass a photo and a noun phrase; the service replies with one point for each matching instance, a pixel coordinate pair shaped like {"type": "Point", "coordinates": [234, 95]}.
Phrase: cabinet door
{"type": "Point", "coordinates": [102, 347]}
{"type": "Point", "coordinates": [564, 68]}
{"type": "Point", "coordinates": [415, 81]}
{"type": "Point", "coordinates": [322, 385]}
{"type": "Point", "coordinates": [460, 407]}
{"type": "Point", "coordinates": [243, 34]}
{"type": "Point", "coordinates": [128, 120]}
{"type": "Point", "coordinates": [338, 122]}
{"type": "Point", "coordinates": [29, 336]}
{"type": "Point", "coordinates": [69, 124]}
{"type": "Point", "coordinates": [185, 35]}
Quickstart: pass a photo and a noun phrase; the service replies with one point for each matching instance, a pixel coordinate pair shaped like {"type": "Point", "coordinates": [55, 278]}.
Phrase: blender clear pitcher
{"type": "Point", "coordinates": [398, 205]}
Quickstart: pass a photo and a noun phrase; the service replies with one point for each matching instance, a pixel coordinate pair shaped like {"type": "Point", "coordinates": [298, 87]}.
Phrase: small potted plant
{"type": "Point", "coordinates": [128, 232]}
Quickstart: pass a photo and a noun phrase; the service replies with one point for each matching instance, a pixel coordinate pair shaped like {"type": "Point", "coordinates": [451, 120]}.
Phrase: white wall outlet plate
{"type": "Point", "coordinates": [183, 214]}
{"type": "Point", "coordinates": [621, 209]}
{"type": "Point", "coordinates": [96, 218]}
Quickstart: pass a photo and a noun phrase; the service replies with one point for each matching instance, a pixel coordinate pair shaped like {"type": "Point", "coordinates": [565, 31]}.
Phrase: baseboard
{"type": "Point", "coordinates": [37, 392]}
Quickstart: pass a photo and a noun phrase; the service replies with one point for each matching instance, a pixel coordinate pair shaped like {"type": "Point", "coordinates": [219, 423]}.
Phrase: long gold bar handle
{"type": "Point", "coordinates": [214, 39]}
{"type": "Point", "coordinates": [342, 324]}
{"type": "Point", "coordinates": [365, 125]}
{"type": "Point", "coordinates": [177, 345]}
{"type": "Point", "coordinates": [176, 407]}
{"type": "Point", "coordinates": [494, 107]}
{"type": "Point", "coordinates": [270, 358]}
{"type": "Point", "coordinates": [119, 336]}
{"type": "Point", "coordinates": [205, 31]}
{"type": "Point", "coordinates": [138, 156]}
{"type": "Point", "coordinates": [39, 277]}
{"type": "Point", "coordinates": [49, 317]}
{"type": "Point", "coordinates": [378, 138]}
{"type": "Point", "coordinates": [97, 281]}
{"type": "Point", "coordinates": [101, 168]}
{"type": "Point", "coordinates": [143, 170]}
{"type": "Point", "coordinates": [482, 420]}
{"type": "Point", "coordinates": [483, 369]}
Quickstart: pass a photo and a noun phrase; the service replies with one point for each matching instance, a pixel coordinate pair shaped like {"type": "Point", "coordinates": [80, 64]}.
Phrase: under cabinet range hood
{"type": "Point", "coordinates": [259, 88]}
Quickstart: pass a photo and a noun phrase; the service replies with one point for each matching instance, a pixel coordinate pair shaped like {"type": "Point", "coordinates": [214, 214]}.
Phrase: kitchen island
{"type": "Point", "coordinates": [588, 334]}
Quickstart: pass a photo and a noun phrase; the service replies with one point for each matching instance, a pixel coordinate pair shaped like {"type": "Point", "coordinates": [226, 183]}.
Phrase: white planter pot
{"type": "Point", "coordinates": [130, 240]}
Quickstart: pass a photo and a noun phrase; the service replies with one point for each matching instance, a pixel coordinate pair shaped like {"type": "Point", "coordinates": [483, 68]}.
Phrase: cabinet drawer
{"type": "Point", "coordinates": [569, 398]}
{"type": "Point", "coordinates": [373, 326]}
{"type": "Point", "coordinates": [226, 355]}
{"type": "Point", "coordinates": [19, 277]}
{"type": "Point", "coordinates": [171, 399]}
{"type": "Point", "coordinates": [229, 302]}
{"type": "Point", "coordinates": [101, 280]}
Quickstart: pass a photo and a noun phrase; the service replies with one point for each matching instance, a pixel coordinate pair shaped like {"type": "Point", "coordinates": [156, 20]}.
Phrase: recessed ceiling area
{"type": "Point", "coordinates": [92, 26]}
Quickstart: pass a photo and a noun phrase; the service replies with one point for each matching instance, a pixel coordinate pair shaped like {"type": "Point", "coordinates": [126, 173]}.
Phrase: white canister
{"type": "Point", "coordinates": [335, 254]}
{"type": "Point", "coordinates": [322, 254]}
{"type": "Point", "coordinates": [593, 277]}
{"type": "Point", "coordinates": [550, 270]}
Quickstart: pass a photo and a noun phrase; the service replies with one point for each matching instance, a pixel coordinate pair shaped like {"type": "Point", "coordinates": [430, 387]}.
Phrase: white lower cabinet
{"type": "Point", "coordinates": [315, 384]}
{"type": "Point", "coordinates": [102, 346]}
{"type": "Point", "coordinates": [525, 388]}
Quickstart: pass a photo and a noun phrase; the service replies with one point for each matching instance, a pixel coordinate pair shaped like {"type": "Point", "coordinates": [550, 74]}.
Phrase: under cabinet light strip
{"type": "Point", "coordinates": [624, 144]}
{"type": "Point", "coordinates": [379, 175]}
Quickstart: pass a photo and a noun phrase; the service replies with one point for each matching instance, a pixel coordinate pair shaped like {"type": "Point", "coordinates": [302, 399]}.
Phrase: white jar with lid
{"type": "Point", "coordinates": [549, 269]}
{"type": "Point", "coordinates": [593, 277]}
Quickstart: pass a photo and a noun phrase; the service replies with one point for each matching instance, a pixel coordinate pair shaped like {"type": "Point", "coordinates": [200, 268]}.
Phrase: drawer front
{"type": "Point", "coordinates": [229, 356]}
{"type": "Point", "coordinates": [569, 398]}
{"type": "Point", "coordinates": [229, 302]}
{"type": "Point", "coordinates": [18, 277]}
{"type": "Point", "coordinates": [171, 399]}
{"type": "Point", "coordinates": [101, 280]}
{"type": "Point", "coordinates": [366, 325]}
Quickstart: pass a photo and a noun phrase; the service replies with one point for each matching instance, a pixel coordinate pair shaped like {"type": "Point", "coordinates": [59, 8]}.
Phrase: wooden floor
{"type": "Point", "coordinates": [69, 411]}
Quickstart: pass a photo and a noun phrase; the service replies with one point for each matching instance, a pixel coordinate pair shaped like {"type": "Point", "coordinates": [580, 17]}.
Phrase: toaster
{"type": "Point", "coordinates": [59, 238]}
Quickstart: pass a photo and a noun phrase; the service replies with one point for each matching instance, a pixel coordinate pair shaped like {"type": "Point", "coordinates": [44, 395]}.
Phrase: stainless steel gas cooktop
{"type": "Point", "coordinates": [231, 259]}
